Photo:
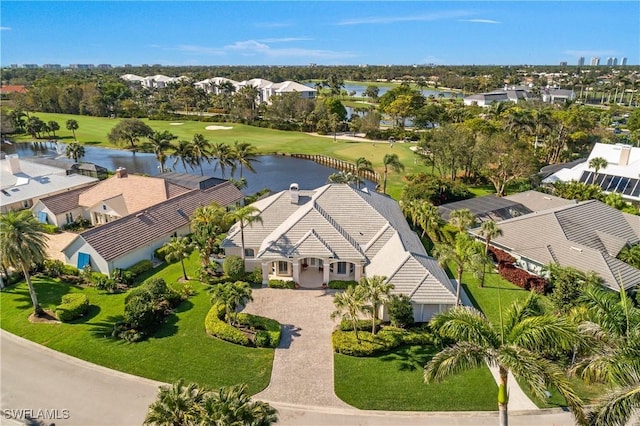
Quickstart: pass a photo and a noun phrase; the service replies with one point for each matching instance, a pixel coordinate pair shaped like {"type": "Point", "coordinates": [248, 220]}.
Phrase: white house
{"type": "Point", "coordinates": [514, 95]}
{"type": "Point", "coordinates": [214, 85]}
{"type": "Point", "coordinates": [337, 232]}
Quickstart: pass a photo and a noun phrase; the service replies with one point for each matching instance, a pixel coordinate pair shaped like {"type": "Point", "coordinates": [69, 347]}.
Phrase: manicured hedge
{"type": "Point", "coordinates": [281, 284]}
{"type": "Point", "coordinates": [73, 306]}
{"type": "Point", "coordinates": [140, 267]}
{"type": "Point", "coordinates": [270, 326]}
{"type": "Point", "coordinates": [363, 324]}
{"type": "Point", "coordinates": [268, 331]}
{"type": "Point", "coordinates": [522, 278]}
{"type": "Point", "coordinates": [341, 285]}
{"type": "Point", "coordinates": [217, 327]}
{"type": "Point", "coordinates": [501, 256]}
{"type": "Point", "coordinates": [344, 342]}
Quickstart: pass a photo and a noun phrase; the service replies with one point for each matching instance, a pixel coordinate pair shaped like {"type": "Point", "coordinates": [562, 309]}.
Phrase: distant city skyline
{"type": "Point", "coordinates": [325, 33]}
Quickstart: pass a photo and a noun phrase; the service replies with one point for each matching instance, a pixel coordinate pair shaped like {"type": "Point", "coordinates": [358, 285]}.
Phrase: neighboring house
{"type": "Point", "coordinates": [23, 183]}
{"type": "Point", "coordinates": [191, 181]}
{"type": "Point", "coordinates": [84, 169]}
{"type": "Point", "coordinates": [337, 232]}
{"type": "Point", "coordinates": [621, 176]}
{"type": "Point", "coordinates": [305, 92]}
{"type": "Point", "coordinates": [213, 85]}
{"type": "Point", "coordinates": [158, 81]}
{"type": "Point", "coordinates": [551, 95]}
{"type": "Point", "coordinates": [490, 207]}
{"type": "Point", "coordinates": [514, 95]}
{"type": "Point", "coordinates": [60, 209]}
{"type": "Point", "coordinates": [130, 239]}
{"type": "Point", "coordinates": [587, 236]}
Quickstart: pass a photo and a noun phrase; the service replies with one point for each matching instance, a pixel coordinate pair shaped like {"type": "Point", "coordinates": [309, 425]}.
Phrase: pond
{"type": "Point", "coordinates": [272, 171]}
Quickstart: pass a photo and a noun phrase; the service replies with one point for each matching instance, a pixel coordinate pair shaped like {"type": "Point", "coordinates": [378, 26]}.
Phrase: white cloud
{"type": "Point", "coordinates": [254, 48]}
{"type": "Point", "coordinates": [480, 21]}
{"type": "Point", "coordinates": [411, 18]}
{"type": "Point", "coordinates": [5, 28]}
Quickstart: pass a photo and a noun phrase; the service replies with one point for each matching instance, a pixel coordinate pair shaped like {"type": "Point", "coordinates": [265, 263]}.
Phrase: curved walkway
{"type": "Point", "coordinates": [303, 363]}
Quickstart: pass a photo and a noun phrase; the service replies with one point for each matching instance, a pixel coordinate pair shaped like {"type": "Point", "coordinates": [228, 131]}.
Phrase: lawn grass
{"type": "Point", "coordinates": [395, 382]}
{"type": "Point", "coordinates": [94, 131]}
{"type": "Point", "coordinates": [179, 349]}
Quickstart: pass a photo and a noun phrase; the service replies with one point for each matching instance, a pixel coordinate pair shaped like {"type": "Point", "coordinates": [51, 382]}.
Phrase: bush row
{"type": "Point", "coordinates": [267, 330]}
{"type": "Point", "coordinates": [73, 306]}
{"type": "Point", "coordinates": [362, 325]}
{"type": "Point", "coordinates": [345, 342]}
{"type": "Point", "coordinates": [140, 267]}
{"type": "Point", "coordinates": [522, 278]}
{"type": "Point", "coordinates": [341, 285]}
{"type": "Point", "coordinates": [501, 256]}
{"type": "Point", "coordinates": [215, 325]}
{"type": "Point", "coordinates": [281, 284]}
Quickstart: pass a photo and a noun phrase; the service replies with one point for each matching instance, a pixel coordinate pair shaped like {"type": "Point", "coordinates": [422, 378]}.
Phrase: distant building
{"type": "Point", "coordinates": [81, 66]}
{"type": "Point", "coordinates": [513, 94]}
{"type": "Point", "coordinates": [581, 61]}
{"type": "Point", "coordinates": [29, 66]}
{"type": "Point", "coordinates": [52, 66]}
{"type": "Point", "coordinates": [623, 62]}
{"type": "Point", "coordinates": [610, 61]}
{"type": "Point", "coordinates": [595, 61]}
{"type": "Point", "coordinates": [563, 63]}
{"type": "Point", "coordinates": [615, 62]}
{"type": "Point", "coordinates": [104, 66]}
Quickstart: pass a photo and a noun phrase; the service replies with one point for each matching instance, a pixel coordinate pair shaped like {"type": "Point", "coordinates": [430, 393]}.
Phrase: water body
{"type": "Point", "coordinates": [272, 171]}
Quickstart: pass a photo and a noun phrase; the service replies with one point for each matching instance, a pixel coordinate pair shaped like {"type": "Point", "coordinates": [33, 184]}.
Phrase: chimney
{"type": "Point", "coordinates": [625, 152]}
{"type": "Point", "coordinates": [14, 164]}
{"type": "Point", "coordinates": [293, 192]}
{"type": "Point", "coordinates": [121, 172]}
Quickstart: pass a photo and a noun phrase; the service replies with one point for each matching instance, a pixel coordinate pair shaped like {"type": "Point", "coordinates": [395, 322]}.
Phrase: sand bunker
{"type": "Point", "coordinates": [176, 124]}
{"type": "Point", "coordinates": [218, 128]}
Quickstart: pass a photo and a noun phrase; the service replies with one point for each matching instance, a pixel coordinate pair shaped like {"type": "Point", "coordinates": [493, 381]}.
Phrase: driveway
{"type": "Point", "coordinates": [303, 364]}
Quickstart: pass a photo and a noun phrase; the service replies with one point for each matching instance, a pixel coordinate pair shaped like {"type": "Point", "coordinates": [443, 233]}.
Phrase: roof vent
{"type": "Point", "coordinates": [294, 193]}
{"type": "Point", "coordinates": [578, 249]}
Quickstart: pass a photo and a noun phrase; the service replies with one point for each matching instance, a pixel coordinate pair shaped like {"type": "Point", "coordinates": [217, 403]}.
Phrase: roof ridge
{"type": "Point", "coordinates": [338, 228]}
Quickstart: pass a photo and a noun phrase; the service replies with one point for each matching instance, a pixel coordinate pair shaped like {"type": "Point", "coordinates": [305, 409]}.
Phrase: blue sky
{"type": "Point", "coordinates": [325, 32]}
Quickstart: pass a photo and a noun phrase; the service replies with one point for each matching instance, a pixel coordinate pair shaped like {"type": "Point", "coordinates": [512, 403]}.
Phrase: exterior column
{"type": "Point", "coordinates": [325, 271]}
{"type": "Point", "coordinates": [266, 270]}
{"type": "Point", "coordinates": [358, 271]}
{"type": "Point", "coordinates": [296, 271]}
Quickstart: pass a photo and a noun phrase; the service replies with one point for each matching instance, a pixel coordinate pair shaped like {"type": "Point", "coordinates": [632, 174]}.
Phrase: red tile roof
{"type": "Point", "coordinates": [16, 88]}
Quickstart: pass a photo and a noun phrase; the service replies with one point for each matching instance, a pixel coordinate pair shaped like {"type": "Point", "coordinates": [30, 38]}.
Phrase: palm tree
{"type": "Point", "coordinates": [246, 215]}
{"type": "Point", "coordinates": [200, 150]}
{"type": "Point", "coordinates": [22, 244]}
{"type": "Point", "coordinates": [349, 305]}
{"type": "Point", "coordinates": [75, 151]}
{"type": "Point", "coordinates": [233, 406]}
{"type": "Point", "coordinates": [427, 216]}
{"type": "Point", "coordinates": [464, 252]}
{"type": "Point", "coordinates": [390, 160]}
{"type": "Point", "coordinates": [377, 292]}
{"type": "Point", "coordinates": [73, 126]}
{"type": "Point", "coordinates": [221, 152]}
{"type": "Point", "coordinates": [515, 346]}
{"type": "Point", "coordinates": [208, 224]}
{"type": "Point", "coordinates": [489, 230]}
{"type": "Point", "coordinates": [244, 153]}
{"type": "Point", "coordinates": [542, 122]}
{"type": "Point", "coordinates": [597, 163]}
{"type": "Point", "coordinates": [231, 296]}
{"type": "Point", "coordinates": [184, 153]}
{"type": "Point", "coordinates": [178, 248]}
{"type": "Point", "coordinates": [159, 143]}
{"type": "Point", "coordinates": [462, 219]}
{"type": "Point", "coordinates": [176, 405]}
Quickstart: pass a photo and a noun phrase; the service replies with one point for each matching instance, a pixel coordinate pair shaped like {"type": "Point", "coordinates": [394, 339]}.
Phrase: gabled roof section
{"type": "Point", "coordinates": [311, 245]}
{"type": "Point", "coordinates": [131, 232]}
{"type": "Point", "coordinates": [63, 202]}
{"type": "Point", "coordinates": [429, 287]}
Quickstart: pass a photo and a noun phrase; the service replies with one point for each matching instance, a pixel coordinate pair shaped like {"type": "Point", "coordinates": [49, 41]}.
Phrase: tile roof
{"type": "Point", "coordinates": [63, 202]}
{"type": "Point", "coordinates": [124, 235]}
{"type": "Point", "coordinates": [586, 236]}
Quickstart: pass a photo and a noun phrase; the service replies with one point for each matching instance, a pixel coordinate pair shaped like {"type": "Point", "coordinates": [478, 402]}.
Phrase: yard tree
{"type": "Point", "coordinates": [183, 153]}
{"type": "Point", "coordinates": [178, 404]}
{"type": "Point", "coordinates": [53, 127]}
{"type": "Point", "coordinates": [597, 163]}
{"type": "Point", "coordinates": [349, 305]}
{"type": "Point", "coordinates": [427, 216]}
{"type": "Point", "coordinates": [390, 161]}
{"type": "Point", "coordinates": [462, 219]}
{"type": "Point", "coordinates": [517, 345]}
{"type": "Point", "coordinates": [72, 125]}
{"type": "Point", "coordinates": [231, 295]}
{"type": "Point", "coordinates": [244, 154]}
{"type": "Point", "coordinates": [244, 216]}
{"type": "Point", "coordinates": [129, 130]}
{"type": "Point", "coordinates": [208, 224]}
{"type": "Point", "coordinates": [464, 252]}
{"type": "Point", "coordinates": [232, 405]}
{"type": "Point", "coordinates": [159, 143]}
{"type": "Point", "coordinates": [223, 155]}
{"type": "Point", "coordinates": [489, 230]}
{"type": "Point", "coordinates": [75, 151]}
{"type": "Point", "coordinates": [23, 244]}
{"type": "Point", "coordinates": [377, 291]}
{"type": "Point", "coordinates": [200, 150]}
{"type": "Point", "coordinates": [178, 248]}
{"type": "Point", "coordinates": [510, 160]}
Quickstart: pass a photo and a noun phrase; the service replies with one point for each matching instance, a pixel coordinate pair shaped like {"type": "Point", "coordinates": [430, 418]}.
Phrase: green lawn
{"type": "Point", "coordinates": [394, 382]}
{"type": "Point", "coordinates": [180, 349]}
{"type": "Point", "coordinates": [94, 131]}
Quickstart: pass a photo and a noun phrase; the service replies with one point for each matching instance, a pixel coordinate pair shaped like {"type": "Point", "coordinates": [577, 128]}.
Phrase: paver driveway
{"type": "Point", "coordinates": [303, 363]}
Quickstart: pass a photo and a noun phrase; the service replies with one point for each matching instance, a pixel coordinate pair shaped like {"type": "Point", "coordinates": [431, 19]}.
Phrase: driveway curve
{"type": "Point", "coordinates": [303, 363]}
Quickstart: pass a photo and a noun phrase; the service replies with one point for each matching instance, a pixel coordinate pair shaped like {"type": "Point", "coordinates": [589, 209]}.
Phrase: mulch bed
{"type": "Point", "coordinates": [48, 317]}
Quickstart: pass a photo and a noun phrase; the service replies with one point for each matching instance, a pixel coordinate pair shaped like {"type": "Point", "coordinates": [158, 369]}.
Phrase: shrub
{"type": "Point", "coordinates": [501, 256]}
{"type": "Point", "coordinates": [140, 267]}
{"type": "Point", "coordinates": [103, 283]}
{"type": "Point", "coordinates": [434, 189]}
{"type": "Point", "coordinates": [281, 284]}
{"type": "Point", "coordinates": [345, 342]}
{"type": "Point", "coordinates": [233, 267]}
{"type": "Point", "coordinates": [254, 277]}
{"type": "Point", "coordinates": [140, 313]}
{"type": "Point", "coordinates": [73, 306]}
{"type": "Point", "coordinates": [341, 285]}
{"type": "Point", "coordinates": [123, 277]}
{"type": "Point", "coordinates": [50, 229]}
{"type": "Point", "coordinates": [215, 326]}
{"type": "Point", "coordinates": [362, 325]}
{"type": "Point", "coordinates": [522, 278]}
{"type": "Point", "coordinates": [186, 291]}
{"type": "Point", "coordinates": [262, 339]}
{"type": "Point", "coordinates": [161, 292]}
{"type": "Point", "coordinates": [400, 311]}
{"type": "Point", "coordinates": [256, 322]}
{"type": "Point", "coordinates": [53, 268]}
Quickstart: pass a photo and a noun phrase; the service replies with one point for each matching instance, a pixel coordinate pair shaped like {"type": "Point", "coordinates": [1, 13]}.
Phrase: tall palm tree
{"type": "Point", "coordinates": [72, 125]}
{"type": "Point", "coordinates": [231, 296]}
{"type": "Point", "coordinates": [22, 244]}
{"type": "Point", "coordinates": [222, 153]}
{"type": "Point", "coordinates": [377, 292]}
{"type": "Point", "coordinates": [462, 219]}
{"type": "Point", "coordinates": [597, 163]}
{"type": "Point", "coordinates": [247, 215]}
{"type": "Point", "coordinates": [178, 248]}
{"type": "Point", "coordinates": [184, 153]}
{"type": "Point", "coordinates": [244, 154]}
{"type": "Point", "coordinates": [542, 123]}
{"type": "Point", "coordinates": [428, 218]}
{"type": "Point", "coordinates": [464, 252]}
{"type": "Point", "coordinates": [390, 161]}
{"type": "Point", "coordinates": [75, 151]}
{"type": "Point", "coordinates": [232, 405]}
{"type": "Point", "coordinates": [200, 150]}
{"type": "Point", "coordinates": [515, 346]}
{"type": "Point", "coordinates": [176, 405]}
{"type": "Point", "coordinates": [208, 224]}
{"type": "Point", "coordinates": [159, 143]}
{"type": "Point", "coordinates": [349, 305]}
{"type": "Point", "coordinates": [489, 230]}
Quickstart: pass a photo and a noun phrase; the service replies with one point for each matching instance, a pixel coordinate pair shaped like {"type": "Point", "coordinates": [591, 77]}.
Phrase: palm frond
{"type": "Point", "coordinates": [466, 324]}
{"type": "Point", "coordinates": [544, 332]}
{"type": "Point", "coordinates": [460, 357]}
{"type": "Point", "coordinates": [619, 405]}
